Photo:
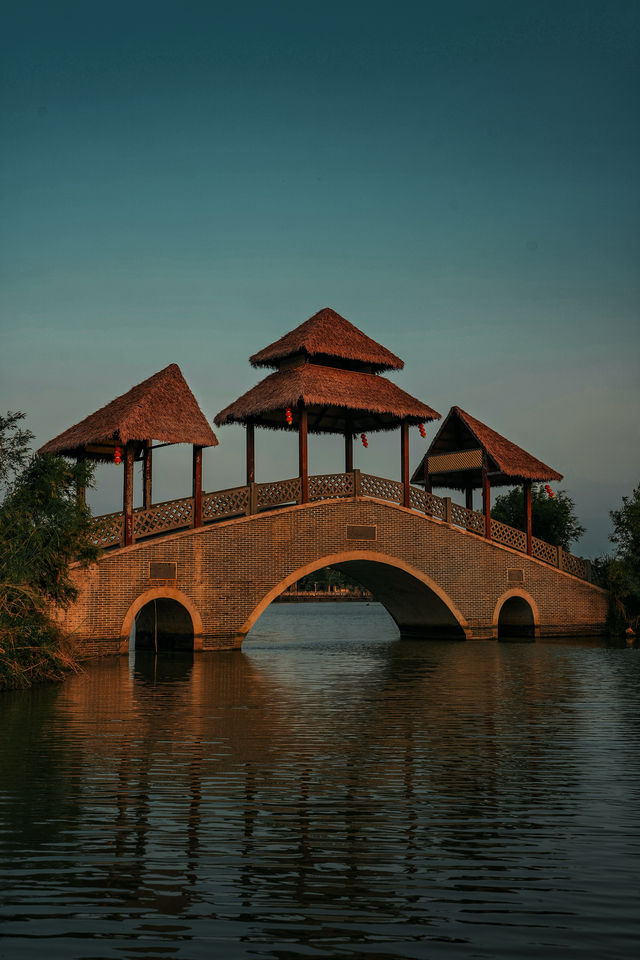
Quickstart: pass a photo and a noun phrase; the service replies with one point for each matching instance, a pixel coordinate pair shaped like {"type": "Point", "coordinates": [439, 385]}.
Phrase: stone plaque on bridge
{"type": "Point", "coordinates": [515, 575]}
{"type": "Point", "coordinates": [163, 570]}
{"type": "Point", "coordinates": [361, 533]}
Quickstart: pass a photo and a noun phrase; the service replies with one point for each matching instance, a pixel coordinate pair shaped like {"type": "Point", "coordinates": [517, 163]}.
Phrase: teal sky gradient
{"type": "Point", "coordinates": [187, 182]}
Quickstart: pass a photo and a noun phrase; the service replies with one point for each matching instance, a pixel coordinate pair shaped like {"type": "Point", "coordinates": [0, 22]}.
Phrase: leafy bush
{"type": "Point", "coordinates": [44, 528]}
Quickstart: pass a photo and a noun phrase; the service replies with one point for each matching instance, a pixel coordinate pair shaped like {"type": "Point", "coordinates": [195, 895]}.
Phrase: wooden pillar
{"type": "Point", "coordinates": [127, 494]}
{"type": "Point", "coordinates": [197, 486]}
{"type": "Point", "coordinates": [147, 476]}
{"type": "Point", "coordinates": [527, 515]}
{"type": "Point", "coordinates": [427, 477]}
{"type": "Point", "coordinates": [303, 464]}
{"type": "Point", "coordinates": [486, 498]}
{"type": "Point", "coordinates": [251, 452]}
{"type": "Point", "coordinates": [468, 498]}
{"type": "Point", "coordinates": [81, 490]}
{"type": "Point", "coordinates": [404, 456]}
{"type": "Point", "coordinates": [348, 451]}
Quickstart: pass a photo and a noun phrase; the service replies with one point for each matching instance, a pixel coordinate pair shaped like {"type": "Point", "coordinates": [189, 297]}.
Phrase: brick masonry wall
{"type": "Point", "coordinates": [224, 572]}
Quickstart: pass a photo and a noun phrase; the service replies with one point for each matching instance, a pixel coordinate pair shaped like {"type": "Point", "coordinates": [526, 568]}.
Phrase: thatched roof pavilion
{"type": "Point", "coordinates": [160, 408]}
{"type": "Point", "coordinates": [466, 454]}
{"type": "Point", "coordinates": [327, 380]}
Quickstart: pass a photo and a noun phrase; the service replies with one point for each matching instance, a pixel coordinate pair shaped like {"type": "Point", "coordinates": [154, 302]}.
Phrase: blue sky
{"type": "Point", "coordinates": [187, 182]}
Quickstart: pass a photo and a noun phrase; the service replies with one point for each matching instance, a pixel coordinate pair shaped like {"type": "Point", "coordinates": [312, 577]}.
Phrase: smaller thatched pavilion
{"type": "Point", "coordinates": [327, 380]}
{"type": "Point", "coordinates": [466, 454]}
{"type": "Point", "coordinates": [160, 408]}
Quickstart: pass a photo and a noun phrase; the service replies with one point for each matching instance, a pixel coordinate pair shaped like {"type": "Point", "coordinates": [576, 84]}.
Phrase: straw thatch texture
{"type": "Point", "coordinates": [336, 400]}
{"type": "Point", "coordinates": [160, 408]}
{"type": "Point", "coordinates": [508, 463]}
{"type": "Point", "coordinates": [327, 336]}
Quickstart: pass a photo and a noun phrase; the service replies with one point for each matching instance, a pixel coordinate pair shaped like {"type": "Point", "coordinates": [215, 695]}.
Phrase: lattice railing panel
{"type": "Point", "coordinates": [225, 503]}
{"type": "Point", "coordinates": [328, 485]}
{"type": "Point", "coordinates": [578, 566]}
{"type": "Point", "coordinates": [508, 536]}
{"type": "Point", "coordinates": [426, 502]}
{"type": "Point", "coordinates": [380, 488]}
{"type": "Point", "coordinates": [161, 517]}
{"type": "Point", "coordinates": [469, 519]}
{"type": "Point", "coordinates": [544, 551]}
{"type": "Point", "coordinates": [279, 493]}
{"type": "Point", "coordinates": [107, 530]}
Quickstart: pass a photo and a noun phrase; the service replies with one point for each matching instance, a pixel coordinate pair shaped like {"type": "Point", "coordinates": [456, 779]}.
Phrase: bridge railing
{"type": "Point", "coordinates": [108, 530]}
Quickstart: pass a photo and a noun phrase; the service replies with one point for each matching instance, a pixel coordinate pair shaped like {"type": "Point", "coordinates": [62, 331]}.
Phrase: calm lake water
{"type": "Point", "coordinates": [330, 791]}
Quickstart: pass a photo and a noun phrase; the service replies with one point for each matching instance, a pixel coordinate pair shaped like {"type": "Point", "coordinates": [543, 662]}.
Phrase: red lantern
{"type": "Point", "coordinates": [117, 455]}
{"type": "Point", "coordinates": [422, 430]}
{"type": "Point", "coordinates": [365, 442]}
{"type": "Point", "coordinates": [550, 492]}
{"type": "Point", "coordinates": [288, 416]}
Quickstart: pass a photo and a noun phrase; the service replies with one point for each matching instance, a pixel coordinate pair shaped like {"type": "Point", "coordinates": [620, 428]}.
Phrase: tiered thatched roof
{"type": "Point", "coordinates": [328, 338]}
{"type": "Point", "coordinates": [160, 408]}
{"type": "Point", "coordinates": [507, 463]}
{"type": "Point", "coordinates": [336, 401]}
{"type": "Point", "coordinates": [331, 368]}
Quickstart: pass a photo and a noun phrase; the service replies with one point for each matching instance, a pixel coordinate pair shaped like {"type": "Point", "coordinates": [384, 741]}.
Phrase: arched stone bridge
{"type": "Point", "coordinates": [436, 579]}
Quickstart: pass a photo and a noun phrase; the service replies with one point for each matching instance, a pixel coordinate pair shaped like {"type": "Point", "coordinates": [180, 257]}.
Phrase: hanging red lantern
{"type": "Point", "coordinates": [117, 455]}
{"type": "Point", "coordinates": [365, 442]}
{"type": "Point", "coordinates": [550, 492]}
{"type": "Point", "coordinates": [422, 430]}
{"type": "Point", "coordinates": [288, 416]}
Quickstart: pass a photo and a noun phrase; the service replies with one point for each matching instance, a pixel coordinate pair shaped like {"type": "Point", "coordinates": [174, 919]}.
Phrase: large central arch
{"type": "Point", "coordinates": [419, 607]}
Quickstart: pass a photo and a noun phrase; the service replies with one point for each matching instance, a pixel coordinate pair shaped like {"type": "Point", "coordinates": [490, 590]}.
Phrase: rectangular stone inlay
{"type": "Point", "coordinates": [163, 570]}
{"type": "Point", "coordinates": [361, 533]}
{"type": "Point", "coordinates": [515, 575]}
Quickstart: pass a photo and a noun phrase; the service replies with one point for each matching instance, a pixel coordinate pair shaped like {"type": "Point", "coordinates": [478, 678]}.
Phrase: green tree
{"type": "Point", "coordinates": [620, 573]}
{"type": "Point", "coordinates": [44, 527]}
{"type": "Point", "coordinates": [553, 519]}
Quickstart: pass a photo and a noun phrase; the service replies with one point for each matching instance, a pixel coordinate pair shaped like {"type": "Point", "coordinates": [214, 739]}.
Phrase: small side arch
{"type": "Point", "coordinates": [161, 593]}
{"type": "Point", "coordinates": [519, 611]}
{"type": "Point", "coordinates": [352, 561]}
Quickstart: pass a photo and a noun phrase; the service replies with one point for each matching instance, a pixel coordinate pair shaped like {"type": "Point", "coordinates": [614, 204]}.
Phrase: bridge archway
{"type": "Point", "coordinates": [419, 607]}
{"type": "Point", "coordinates": [175, 612]}
{"type": "Point", "coordinates": [516, 615]}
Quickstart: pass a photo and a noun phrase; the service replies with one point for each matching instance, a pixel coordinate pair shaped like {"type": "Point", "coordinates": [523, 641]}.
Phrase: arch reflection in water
{"type": "Point", "coordinates": [163, 624]}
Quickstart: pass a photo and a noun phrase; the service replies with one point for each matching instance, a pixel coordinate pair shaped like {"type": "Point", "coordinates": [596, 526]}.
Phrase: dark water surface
{"type": "Point", "coordinates": [328, 792]}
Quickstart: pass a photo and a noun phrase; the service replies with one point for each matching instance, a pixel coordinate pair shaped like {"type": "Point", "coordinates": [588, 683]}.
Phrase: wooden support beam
{"type": "Point", "coordinates": [468, 498]}
{"type": "Point", "coordinates": [404, 456]}
{"type": "Point", "coordinates": [147, 475]}
{"type": "Point", "coordinates": [197, 485]}
{"type": "Point", "coordinates": [486, 498]}
{"type": "Point", "coordinates": [527, 515]}
{"type": "Point", "coordinates": [303, 456]}
{"type": "Point", "coordinates": [81, 490]}
{"type": "Point", "coordinates": [251, 452]}
{"type": "Point", "coordinates": [427, 478]}
{"type": "Point", "coordinates": [348, 451]}
{"type": "Point", "coordinates": [127, 493]}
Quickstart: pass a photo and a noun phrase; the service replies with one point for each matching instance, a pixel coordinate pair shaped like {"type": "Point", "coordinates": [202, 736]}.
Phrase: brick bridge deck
{"type": "Point", "coordinates": [434, 578]}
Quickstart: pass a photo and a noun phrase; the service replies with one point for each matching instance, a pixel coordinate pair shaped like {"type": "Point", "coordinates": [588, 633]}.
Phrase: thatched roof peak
{"type": "Point", "coordinates": [327, 336]}
{"type": "Point", "coordinates": [160, 408]}
{"type": "Point", "coordinates": [337, 400]}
